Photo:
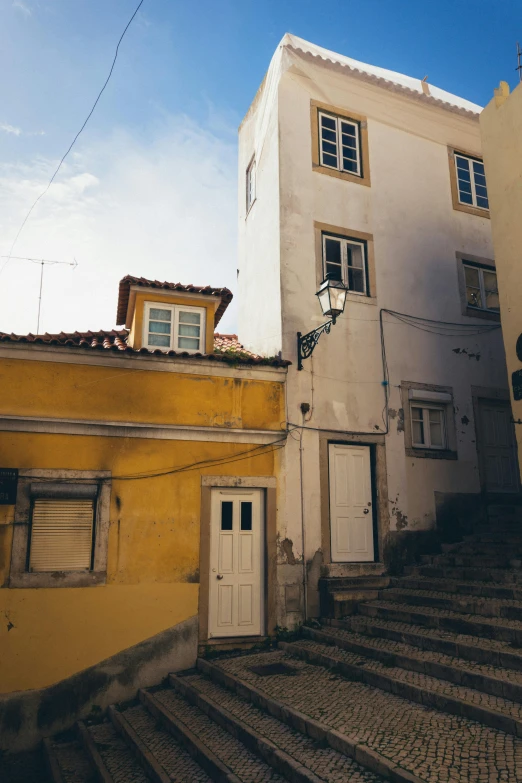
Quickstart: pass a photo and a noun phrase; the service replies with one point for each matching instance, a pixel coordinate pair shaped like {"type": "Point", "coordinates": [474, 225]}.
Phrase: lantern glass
{"type": "Point", "coordinates": [332, 297]}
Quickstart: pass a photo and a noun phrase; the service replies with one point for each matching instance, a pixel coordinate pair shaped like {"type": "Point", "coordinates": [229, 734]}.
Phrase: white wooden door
{"type": "Point", "coordinates": [497, 447]}
{"type": "Point", "coordinates": [351, 517]}
{"type": "Point", "coordinates": [236, 563]}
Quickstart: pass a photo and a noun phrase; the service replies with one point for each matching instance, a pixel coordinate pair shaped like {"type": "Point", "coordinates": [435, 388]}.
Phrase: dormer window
{"type": "Point", "coordinates": [174, 328]}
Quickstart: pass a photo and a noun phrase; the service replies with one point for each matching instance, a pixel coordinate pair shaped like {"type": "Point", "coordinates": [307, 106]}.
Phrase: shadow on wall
{"type": "Point", "coordinates": [457, 515]}
{"type": "Point", "coordinates": [27, 716]}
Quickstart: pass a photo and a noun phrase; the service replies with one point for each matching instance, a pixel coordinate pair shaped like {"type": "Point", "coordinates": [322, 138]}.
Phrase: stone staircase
{"type": "Point", "coordinates": [420, 682]}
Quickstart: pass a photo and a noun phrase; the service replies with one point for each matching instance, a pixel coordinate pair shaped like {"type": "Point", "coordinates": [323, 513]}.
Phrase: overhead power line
{"type": "Point", "coordinates": [42, 194]}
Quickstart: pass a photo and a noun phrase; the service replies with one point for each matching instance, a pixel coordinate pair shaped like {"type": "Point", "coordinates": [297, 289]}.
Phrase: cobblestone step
{"type": "Point", "coordinates": [119, 761]}
{"type": "Point", "coordinates": [162, 758]}
{"type": "Point", "coordinates": [470, 648]}
{"type": "Point", "coordinates": [509, 576]}
{"type": "Point", "coordinates": [494, 711]}
{"type": "Point", "coordinates": [68, 763]}
{"type": "Point", "coordinates": [476, 588]}
{"type": "Point", "coordinates": [495, 680]}
{"type": "Point", "coordinates": [489, 627]}
{"type": "Point", "coordinates": [294, 754]}
{"type": "Point", "coordinates": [224, 757]}
{"type": "Point", "coordinates": [483, 607]}
{"type": "Point", "coordinates": [468, 561]}
{"type": "Point", "coordinates": [432, 745]}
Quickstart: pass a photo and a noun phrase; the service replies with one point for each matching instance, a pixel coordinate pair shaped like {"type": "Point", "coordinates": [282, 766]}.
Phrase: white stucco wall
{"type": "Point", "coordinates": [417, 233]}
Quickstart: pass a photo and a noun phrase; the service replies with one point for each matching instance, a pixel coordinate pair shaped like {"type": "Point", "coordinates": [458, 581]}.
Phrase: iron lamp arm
{"type": "Point", "coordinates": [306, 342]}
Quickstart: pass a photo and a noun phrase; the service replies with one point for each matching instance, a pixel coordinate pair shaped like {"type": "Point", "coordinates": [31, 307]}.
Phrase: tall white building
{"type": "Point", "coordinates": [400, 419]}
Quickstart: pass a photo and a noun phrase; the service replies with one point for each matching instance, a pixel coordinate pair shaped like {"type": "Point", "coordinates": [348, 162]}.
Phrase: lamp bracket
{"type": "Point", "coordinates": [306, 343]}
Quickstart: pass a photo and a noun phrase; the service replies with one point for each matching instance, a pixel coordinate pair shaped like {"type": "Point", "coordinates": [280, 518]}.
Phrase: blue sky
{"type": "Point", "coordinates": [157, 159]}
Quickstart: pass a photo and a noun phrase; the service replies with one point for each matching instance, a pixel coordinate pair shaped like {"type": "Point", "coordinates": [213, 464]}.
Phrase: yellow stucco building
{"type": "Point", "coordinates": [501, 130]}
{"type": "Point", "coordinates": [138, 498]}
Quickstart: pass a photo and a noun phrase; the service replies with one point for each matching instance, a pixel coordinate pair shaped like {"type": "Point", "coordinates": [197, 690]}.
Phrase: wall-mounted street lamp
{"type": "Point", "coordinates": [332, 298]}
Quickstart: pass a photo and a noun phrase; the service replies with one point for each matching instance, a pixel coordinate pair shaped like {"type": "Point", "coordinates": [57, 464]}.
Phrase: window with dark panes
{"type": "Point", "coordinates": [471, 182]}
{"type": "Point", "coordinates": [481, 288]}
{"type": "Point", "coordinates": [339, 144]}
{"type": "Point", "coordinates": [344, 259]}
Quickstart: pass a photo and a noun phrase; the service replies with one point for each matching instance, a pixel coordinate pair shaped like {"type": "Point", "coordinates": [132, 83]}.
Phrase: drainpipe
{"type": "Point", "coordinates": [303, 534]}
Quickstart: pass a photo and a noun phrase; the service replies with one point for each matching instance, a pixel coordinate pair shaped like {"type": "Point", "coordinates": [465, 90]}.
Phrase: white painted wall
{"type": "Point", "coordinates": [416, 231]}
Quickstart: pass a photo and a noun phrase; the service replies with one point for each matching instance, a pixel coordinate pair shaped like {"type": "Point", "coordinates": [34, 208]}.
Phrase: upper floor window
{"type": "Point", "coordinates": [250, 184]}
{"type": "Point", "coordinates": [481, 288]}
{"type": "Point", "coordinates": [471, 182]}
{"type": "Point", "coordinates": [345, 259]}
{"type": "Point", "coordinates": [173, 327]}
{"type": "Point", "coordinates": [339, 142]}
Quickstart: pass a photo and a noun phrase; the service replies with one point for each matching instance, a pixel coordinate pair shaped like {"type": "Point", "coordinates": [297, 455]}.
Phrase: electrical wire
{"type": "Point", "coordinates": [42, 194]}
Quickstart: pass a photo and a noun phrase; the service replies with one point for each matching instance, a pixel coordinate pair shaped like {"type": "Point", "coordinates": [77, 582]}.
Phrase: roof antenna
{"type": "Point", "coordinates": [519, 58]}
{"type": "Point", "coordinates": [42, 262]}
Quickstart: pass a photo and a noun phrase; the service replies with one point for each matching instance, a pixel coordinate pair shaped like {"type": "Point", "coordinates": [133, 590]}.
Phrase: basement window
{"type": "Point", "coordinates": [174, 328]}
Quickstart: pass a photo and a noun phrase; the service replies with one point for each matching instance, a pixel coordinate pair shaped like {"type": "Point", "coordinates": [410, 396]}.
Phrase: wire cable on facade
{"type": "Point", "coordinates": [42, 194]}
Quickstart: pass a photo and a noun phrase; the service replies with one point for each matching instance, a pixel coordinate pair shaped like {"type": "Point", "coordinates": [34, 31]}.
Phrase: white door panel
{"type": "Point", "coordinates": [236, 563]}
{"type": "Point", "coordinates": [351, 518]}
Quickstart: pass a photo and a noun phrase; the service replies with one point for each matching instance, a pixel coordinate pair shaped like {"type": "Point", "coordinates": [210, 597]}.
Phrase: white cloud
{"type": "Point", "coordinates": [6, 128]}
{"type": "Point", "coordinates": [26, 11]}
{"type": "Point", "coordinates": [161, 208]}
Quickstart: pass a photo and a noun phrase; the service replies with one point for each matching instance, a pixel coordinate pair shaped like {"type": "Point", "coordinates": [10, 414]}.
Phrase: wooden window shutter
{"type": "Point", "coordinates": [61, 535]}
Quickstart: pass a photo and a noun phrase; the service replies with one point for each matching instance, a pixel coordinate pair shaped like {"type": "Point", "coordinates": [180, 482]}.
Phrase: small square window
{"type": "Point", "coordinates": [345, 259]}
{"type": "Point", "coordinates": [172, 327]}
{"type": "Point", "coordinates": [250, 184]}
{"type": "Point", "coordinates": [339, 144]}
{"type": "Point", "coordinates": [471, 182]}
{"type": "Point", "coordinates": [481, 288]}
{"type": "Point", "coordinates": [428, 427]}
{"type": "Point", "coordinates": [62, 535]}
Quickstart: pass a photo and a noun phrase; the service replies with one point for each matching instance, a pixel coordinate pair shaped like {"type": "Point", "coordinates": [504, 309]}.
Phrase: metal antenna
{"type": "Point", "coordinates": [42, 262]}
{"type": "Point", "coordinates": [519, 59]}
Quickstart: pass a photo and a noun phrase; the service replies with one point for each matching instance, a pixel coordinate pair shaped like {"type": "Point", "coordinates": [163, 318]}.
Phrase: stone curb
{"type": "Point", "coordinates": [89, 746]}
{"type": "Point", "coordinates": [406, 690]}
{"type": "Point", "coordinates": [52, 762]}
{"type": "Point", "coordinates": [308, 726]}
{"type": "Point", "coordinates": [468, 652]}
{"type": "Point", "coordinates": [403, 614]}
{"type": "Point", "coordinates": [282, 762]}
{"type": "Point", "coordinates": [214, 767]}
{"type": "Point", "coordinates": [467, 678]}
{"type": "Point", "coordinates": [147, 761]}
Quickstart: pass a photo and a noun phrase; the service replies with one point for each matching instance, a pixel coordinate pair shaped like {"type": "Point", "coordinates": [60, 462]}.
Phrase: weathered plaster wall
{"type": "Point", "coordinates": [501, 128]}
{"type": "Point", "coordinates": [416, 232]}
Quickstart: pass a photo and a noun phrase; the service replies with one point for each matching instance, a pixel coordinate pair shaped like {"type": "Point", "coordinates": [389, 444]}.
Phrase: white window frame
{"type": "Point", "coordinates": [338, 143]}
{"type": "Point", "coordinates": [174, 333]}
{"type": "Point", "coordinates": [251, 184]}
{"type": "Point", "coordinates": [345, 242]}
{"type": "Point", "coordinates": [470, 160]}
{"type": "Point", "coordinates": [426, 407]}
{"type": "Point", "coordinates": [480, 270]}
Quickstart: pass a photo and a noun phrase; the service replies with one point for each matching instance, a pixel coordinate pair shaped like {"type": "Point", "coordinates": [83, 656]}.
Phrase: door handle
{"type": "Point", "coordinates": [219, 576]}
{"type": "Point", "coordinates": [366, 511]}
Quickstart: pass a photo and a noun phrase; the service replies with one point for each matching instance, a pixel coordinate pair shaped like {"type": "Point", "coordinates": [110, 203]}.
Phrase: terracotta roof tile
{"type": "Point", "coordinates": [124, 291]}
{"type": "Point", "coordinates": [227, 348]}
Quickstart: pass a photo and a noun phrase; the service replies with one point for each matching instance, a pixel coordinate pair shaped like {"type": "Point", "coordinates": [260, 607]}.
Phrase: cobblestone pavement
{"type": "Point", "coordinates": [247, 767]}
{"type": "Point", "coordinates": [173, 758]}
{"type": "Point", "coordinates": [480, 601]}
{"type": "Point", "coordinates": [401, 648]}
{"type": "Point", "coordinates": [437, 747]}
{"type": "Point", "coordinates": [330, 766]}
{"type": "Point", "coordinates": [394, 606]}
{"type": "Point", "coordinates": [119, 761]}
{"type": "Point", "coordinates": [424, 681]}
{"type": "Point", "coordinates": [74, 763]}
{"type": "Point", "coordinates": [421, 630]}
